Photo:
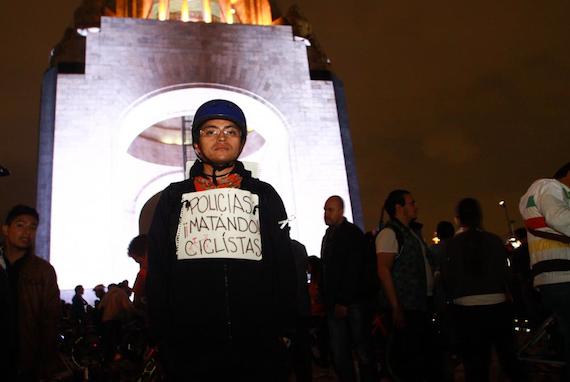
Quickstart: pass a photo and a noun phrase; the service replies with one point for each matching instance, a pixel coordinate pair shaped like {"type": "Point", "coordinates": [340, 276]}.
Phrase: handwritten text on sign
{"type": "Point", "coordinates": [222, 223]}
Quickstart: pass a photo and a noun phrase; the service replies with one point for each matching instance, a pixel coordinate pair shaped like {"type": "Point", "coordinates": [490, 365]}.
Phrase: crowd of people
{"type": "Point", "coordinates": [454, 300]}
{"type": "Point", "coordinates": [244, 302]}
{"type": "Point", "coordinates": [40, 330]}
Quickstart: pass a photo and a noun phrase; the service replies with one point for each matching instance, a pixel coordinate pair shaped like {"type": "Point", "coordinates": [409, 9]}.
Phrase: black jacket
{"type": "Point", "coordinates": [342, 255]}
{"type": "Point", "coordinates": [475, 262]}
{"type": "Point", "coordinates": [197, 306]}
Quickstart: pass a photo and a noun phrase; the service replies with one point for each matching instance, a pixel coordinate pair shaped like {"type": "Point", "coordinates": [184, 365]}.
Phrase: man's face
{"type": "Point", "coordinates": [21, 232]}
{"type": "Point", "coordinates": [334, 213]}
{"type": "Point", "coordinates": [409, 210]}
{"type": "Point", "coordinates": [220, 141]}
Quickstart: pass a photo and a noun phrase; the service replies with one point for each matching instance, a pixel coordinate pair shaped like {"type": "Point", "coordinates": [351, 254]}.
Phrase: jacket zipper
{"type": "Point", "coordinates": [228, 313]}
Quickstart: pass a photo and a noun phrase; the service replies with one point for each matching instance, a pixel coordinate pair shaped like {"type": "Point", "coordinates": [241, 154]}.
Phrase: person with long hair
{"type": "Point", "coordinates": [475, 276]}
{"type": "Point", "coordinates": [406, 277]}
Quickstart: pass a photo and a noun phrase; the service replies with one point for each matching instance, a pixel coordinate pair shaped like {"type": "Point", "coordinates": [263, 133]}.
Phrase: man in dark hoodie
{"type": "Point", "coordinates": [221, 284]}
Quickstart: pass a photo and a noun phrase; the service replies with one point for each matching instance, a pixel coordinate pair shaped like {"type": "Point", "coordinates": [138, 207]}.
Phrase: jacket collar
{"type": "Point", "coordinates": [197, 169]}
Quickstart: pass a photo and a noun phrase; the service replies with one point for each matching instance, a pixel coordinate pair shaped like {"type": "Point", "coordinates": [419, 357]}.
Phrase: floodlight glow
{"type": "Point", "coordinates": [163, 10]}
{"type": "Point", "coordinates": [207, 11]}
{"type": "Point", "coordinates": [184, 11]}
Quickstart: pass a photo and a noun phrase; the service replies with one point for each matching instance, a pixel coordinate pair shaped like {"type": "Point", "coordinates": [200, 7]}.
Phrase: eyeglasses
{"type": "Point", "coordinates": [214, 132]}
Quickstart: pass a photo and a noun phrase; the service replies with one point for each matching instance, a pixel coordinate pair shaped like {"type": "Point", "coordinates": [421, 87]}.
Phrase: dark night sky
{"type": "Point", "coordinates": [446, 99]}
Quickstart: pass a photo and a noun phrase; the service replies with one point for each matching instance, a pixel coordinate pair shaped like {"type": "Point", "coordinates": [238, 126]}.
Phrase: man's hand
{"type": "Point", "coordinates": [340, 311]}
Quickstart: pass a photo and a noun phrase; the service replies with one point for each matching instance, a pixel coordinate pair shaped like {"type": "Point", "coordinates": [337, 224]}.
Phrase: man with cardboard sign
{"type": "Point", "coordinates": [221, 284]}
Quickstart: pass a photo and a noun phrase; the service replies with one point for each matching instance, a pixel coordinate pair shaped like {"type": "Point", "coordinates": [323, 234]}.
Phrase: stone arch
{"type": "Point", "coordinates": [271, 163]}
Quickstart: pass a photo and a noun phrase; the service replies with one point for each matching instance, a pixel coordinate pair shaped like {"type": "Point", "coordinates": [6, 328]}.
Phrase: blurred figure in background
{"type": "Point", "coordinates": [475, 277]}
{"type": "Point", "coordinates": [78, 304]}
{"type": "Point", "coordinates": [116, 309]}
{"type": "Point", "coordinates": [100, 292]}
{"type": "Point", "coordinates": [318, 320]}
{"type": "Point", "coordinates": [138, 249]}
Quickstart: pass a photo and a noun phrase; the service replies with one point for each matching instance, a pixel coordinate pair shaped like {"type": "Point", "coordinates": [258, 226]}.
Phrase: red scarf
{"type": "Point", "coordinates": [202, 183]}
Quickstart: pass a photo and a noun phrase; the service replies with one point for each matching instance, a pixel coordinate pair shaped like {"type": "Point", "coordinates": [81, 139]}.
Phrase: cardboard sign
{"type": "Point", "coordinates": [220, 223]}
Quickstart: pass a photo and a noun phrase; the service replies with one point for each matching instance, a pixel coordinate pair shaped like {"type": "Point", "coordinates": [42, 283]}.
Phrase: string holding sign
{"type": "Point", "coordinates": [285, 222]}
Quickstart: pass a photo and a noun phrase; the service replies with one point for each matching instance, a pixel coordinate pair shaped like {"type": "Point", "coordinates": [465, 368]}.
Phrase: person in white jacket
{"type": "Point", "coordinates": [545, 208]}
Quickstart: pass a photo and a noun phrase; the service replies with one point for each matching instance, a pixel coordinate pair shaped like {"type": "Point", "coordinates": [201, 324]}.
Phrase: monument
{"type": "Point", "coordinates": [118, 101]}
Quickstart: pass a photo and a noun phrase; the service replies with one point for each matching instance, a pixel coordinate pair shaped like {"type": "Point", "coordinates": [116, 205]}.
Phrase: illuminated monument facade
{"type": "Point", "coordinates": [118, 101]}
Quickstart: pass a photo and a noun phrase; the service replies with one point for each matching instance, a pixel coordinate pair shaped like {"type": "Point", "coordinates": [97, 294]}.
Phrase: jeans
{"type": "Point", "coordinates": [350, 332]}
